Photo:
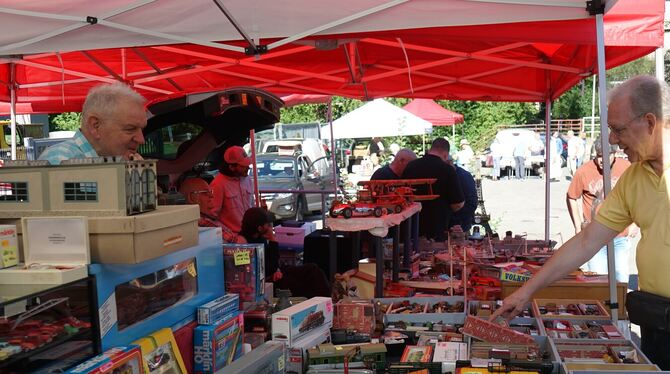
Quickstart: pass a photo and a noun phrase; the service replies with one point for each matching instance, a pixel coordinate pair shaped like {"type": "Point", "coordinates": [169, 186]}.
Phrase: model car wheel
{"type": "Point", "coordinates": [378, 212]}
{"type": "Point", "coordinates": [332, 213]}
{"type": "Point", "coordinates": [398, 208]}
{"type": "Point", "coordinates": [347, 213]}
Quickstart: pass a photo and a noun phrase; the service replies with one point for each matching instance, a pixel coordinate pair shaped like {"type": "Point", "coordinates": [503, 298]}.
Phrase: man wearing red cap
{"type": "Point", "coordinates": [233, 189]}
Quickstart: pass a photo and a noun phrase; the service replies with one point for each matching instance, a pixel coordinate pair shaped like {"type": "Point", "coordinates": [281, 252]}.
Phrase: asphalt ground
{"type": "Point", "coordinates": [519, 205]}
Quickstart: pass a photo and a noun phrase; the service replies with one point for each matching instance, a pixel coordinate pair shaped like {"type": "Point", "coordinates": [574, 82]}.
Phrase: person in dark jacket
{"type": "Point", "coordinates": [306, 280]}
{"type": "Point", "coordinates": [434, 216]}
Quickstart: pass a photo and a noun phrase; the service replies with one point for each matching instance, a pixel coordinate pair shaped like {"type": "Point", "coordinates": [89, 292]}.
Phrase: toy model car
{"type": "Point", "coordinates": [484, 281]}
{"type": "Point", "coordinates": [358, 209]}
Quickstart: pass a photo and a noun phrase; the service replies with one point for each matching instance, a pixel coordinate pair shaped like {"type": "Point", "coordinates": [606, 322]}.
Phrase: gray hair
{"type": "Point", "coordinates": [646, 94]}
{"type": "Point", "coordinates": [104, 99]}
{"type": "Point", "coordinates": [405, 154]}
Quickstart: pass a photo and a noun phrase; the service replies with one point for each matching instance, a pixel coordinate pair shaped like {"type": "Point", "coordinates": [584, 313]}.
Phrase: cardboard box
{"type": "Point", "coordinates": [9, 246]}
{"type": "Point", "coordinates": [216, 346]}
{"type": "Point", "coordinates": [161, 353]}
{"type": "Point", "coordinates": [244, 272]}
{"type": "Point", "coordinates": [570, 308]}
{"type": "Point", "coordinates": [494, 333]}
{"type": "Point", "coordinates": [292, 323]}
{"type": "Point", "coordinates": [597, 351]}
{"type": "Point", "coordinates": [297, 357]}
{"type": "Point", "coordinates": [56, 251]}
{"type": "Point", "coordinates": [218, 309]}
{"type": "Point", "coordinates": [574, 289]}
{"type": "Point", "coordinates": [293, 237]}
{"type": "Point", "coordinates": [428, 307]}
{"type": "Point", "coordinates": [134, 239]}
{"type": "Point", "coordinates": [116, 360]}
{"type": "Point", "coordinates": [356, 315]}
{"type": "Point", "coordinates": [269, 358]}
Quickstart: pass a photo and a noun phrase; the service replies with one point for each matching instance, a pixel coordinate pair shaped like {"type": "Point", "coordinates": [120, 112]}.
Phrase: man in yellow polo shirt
{"type": "Point", "coordinates": [639, 122]}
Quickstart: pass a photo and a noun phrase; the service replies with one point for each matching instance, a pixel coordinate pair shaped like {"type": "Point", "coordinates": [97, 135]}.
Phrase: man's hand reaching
{"type": "Point", "coordinates": [512, 306]}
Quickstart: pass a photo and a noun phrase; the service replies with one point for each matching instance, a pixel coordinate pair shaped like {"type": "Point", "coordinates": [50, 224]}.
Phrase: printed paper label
{"type": "Point", "coordinates": [107, 313]}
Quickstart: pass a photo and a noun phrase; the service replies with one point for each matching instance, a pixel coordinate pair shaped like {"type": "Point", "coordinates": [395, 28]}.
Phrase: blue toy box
{"type": "Point", "coordinates": [218, 309]}
{"type": "Point", "coordinates": [215, 346]}
{"type": "Point", "coordinates": [135, 300]}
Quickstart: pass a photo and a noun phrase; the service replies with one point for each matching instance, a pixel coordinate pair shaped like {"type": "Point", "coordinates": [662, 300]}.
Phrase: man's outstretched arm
{"type": "Point", "coordinates": [571, 255]}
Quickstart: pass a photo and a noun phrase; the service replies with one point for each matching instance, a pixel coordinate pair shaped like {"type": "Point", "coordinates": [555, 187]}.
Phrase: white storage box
{"type": "Point", "coordinates": [141, 237]}
{"type": "Point", "coordinates": [293, 237]}
{"type": "Point", "coordinates": [292, 323]}
{"type": "Point", "coordinates": [56, 251]}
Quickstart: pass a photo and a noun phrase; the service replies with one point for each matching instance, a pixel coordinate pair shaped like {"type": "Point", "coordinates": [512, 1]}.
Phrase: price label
{"type": "Point", "coordinates": [242, 258]}
{"type": "Point", "coordinates": [191, 270]}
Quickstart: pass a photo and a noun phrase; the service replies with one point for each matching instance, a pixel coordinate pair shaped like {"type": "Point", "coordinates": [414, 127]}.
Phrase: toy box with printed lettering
{"type": "Point", "coordinates": [245, 270]}
{"type": "Point", "coordinates": [55, 250]}
{"type": "Point", "coordinates": [297, 321]}
{"type": "Point", "coordinates": [221, 308]}
{"type": "Point", "coordinates": [126, 360]}
{"type": "Point", "coordinates": [217, 345]}
{"type": "Point", "coordinates": [161, 353]}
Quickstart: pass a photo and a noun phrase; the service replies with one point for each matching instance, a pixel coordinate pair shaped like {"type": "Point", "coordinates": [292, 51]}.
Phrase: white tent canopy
{"type": "Point", "coordinates": [39, 26]}
{"type": "Point", "coordinates": [377, 118]}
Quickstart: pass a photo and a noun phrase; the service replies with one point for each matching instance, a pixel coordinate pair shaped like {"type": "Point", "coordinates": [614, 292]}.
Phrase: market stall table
{"type": "Point", "coordinates": [378, 227]}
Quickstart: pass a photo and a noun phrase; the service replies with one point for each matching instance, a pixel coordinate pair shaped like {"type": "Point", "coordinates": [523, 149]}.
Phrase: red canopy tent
{"type": "Point", "coordinates": [515, 61]}
{"type": "Point", "coordinates": [434, 113]}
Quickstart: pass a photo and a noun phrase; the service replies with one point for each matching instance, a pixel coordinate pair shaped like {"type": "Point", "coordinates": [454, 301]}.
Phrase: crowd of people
{"type": "Point", "coordinates": [113, 118]}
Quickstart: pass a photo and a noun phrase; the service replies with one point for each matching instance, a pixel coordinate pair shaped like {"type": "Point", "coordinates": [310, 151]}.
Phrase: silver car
{"type": "Point", "coordinates": [279, 175]}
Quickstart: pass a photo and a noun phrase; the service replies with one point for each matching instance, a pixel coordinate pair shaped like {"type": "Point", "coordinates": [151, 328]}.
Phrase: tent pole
{"type": "Point", "coordinates": [660, 64]}
{"type": "Point", "coordinates": [593, 107]}
{"type": "Point", "coordinates": [12, 109]}
{"type": "Point", "coordinates": [547, 167]}
{"type": "Point", "coordinates": [333, 156]}
{"type": "Point", "coordinates": [604, 139]}
{"type": "Point", "coordinates": [252, 147]}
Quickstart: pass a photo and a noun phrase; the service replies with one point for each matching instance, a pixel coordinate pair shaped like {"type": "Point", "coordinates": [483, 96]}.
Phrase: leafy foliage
{"type": "Point", "coordinates": [319, 112]}
{"type": "Point", "coordinates": [68, 121]}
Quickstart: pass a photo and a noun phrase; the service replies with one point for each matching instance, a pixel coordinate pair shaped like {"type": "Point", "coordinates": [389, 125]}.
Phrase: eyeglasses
{"type": "Point", "coordinates": [209, 192]}
{"type": "Point", "coordinates": [618, 131]}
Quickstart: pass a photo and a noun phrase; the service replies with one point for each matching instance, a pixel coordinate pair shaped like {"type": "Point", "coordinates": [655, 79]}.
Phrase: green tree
{"type": "Point", "coordinates": [643, 65]}
{"type": "Point", "coordinates": [319, 112]}
{"type": "Point", "coordinates": [68, 121]}
{"type": "Point", "coordinates": [575, 103]}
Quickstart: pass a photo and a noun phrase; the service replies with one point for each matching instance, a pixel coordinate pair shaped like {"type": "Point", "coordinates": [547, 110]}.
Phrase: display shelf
{"type": "Point", "coordinates": [48, 326]}
{"type": "Point", "coordinates": [426, 315]}
{"type": "Point", "coordinates": [54, 343]}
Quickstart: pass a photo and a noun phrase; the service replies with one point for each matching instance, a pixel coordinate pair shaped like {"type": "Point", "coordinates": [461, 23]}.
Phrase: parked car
{"type": "Point", "coordinates": [291, 173]}
{"type": "Point", "coordinates": [188, 134]}
{"type": "Point", "coordinates": [313, 148]}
